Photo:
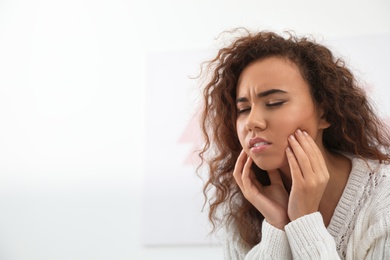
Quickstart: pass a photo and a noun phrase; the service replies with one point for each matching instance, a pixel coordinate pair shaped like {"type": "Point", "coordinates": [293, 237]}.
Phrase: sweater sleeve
{"type": "Point", "coordinates": [309, 238]}
{"type": "Point", "coordinates": [274, 245]}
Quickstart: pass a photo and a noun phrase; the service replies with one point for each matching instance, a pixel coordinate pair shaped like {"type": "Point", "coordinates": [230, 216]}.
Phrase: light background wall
{"type": "Point", "coordinates": [73, 105]}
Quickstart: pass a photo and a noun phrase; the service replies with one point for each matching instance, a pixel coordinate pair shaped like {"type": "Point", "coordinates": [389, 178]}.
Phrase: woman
{"type": "Point", "coordinates": [297, 158]}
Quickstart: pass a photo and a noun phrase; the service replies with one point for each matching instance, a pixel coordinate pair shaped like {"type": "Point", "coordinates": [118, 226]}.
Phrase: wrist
{"type": "Point", "coordinates": [278, 225]}
{"type": "Point", "coordinates": [301, 214]}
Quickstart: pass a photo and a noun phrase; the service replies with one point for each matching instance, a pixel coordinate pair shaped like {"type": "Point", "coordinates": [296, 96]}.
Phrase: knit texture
{"type": "Point", "coordinates": [359, 228]}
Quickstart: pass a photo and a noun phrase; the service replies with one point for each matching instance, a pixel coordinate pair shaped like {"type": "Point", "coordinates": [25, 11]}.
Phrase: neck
{"type": "Point", "coordinates": [339, 168]}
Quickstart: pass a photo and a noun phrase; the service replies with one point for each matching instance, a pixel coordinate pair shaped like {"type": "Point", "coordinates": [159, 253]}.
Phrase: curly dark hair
{"type": "Point", "coordinates": [355, 128]}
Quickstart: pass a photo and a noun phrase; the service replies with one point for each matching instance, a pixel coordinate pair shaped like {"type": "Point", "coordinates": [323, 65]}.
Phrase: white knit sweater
{"type": "Point", "coordinates": [359, 228]}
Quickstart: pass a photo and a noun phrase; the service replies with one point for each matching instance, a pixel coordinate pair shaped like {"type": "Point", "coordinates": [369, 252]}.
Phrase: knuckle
{"type": "Point", "coordinates": [311, 185]}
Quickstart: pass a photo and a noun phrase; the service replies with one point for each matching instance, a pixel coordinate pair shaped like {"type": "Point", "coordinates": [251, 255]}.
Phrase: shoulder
{"type": "Point", "coordinates": [380, 178]}
{"type": "Point", "coordinates": [381, 183]}
{"type": "Point", "coordinates": [377, 190]}
{"type": "Point", "coordinates": [370, 173]}
{"type": "Point", "coordinates": [369, 184]}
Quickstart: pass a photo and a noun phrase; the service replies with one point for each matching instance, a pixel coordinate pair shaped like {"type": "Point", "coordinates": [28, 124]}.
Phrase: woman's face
{"type": "Point", "coordinates": [273, 101]}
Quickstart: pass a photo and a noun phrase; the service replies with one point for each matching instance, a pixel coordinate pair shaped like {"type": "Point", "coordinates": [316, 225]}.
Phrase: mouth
{"type": "Point", "coordinates": [258, 145]}
{"type": "Point", "coordinates": [258, 142]}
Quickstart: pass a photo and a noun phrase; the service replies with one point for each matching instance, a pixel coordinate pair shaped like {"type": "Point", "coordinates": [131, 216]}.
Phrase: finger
{"type": "Point", "coordinates": [314, 146]}
{"type": "Point", "coordinates": [246, 172]}
{"type": "Point", "coordinates": [254, 179]}
{"type": "Point", "coordinates": [249, 178]}
{"type": "Point", "coordinates": [295, 170]}
{"type": "Point", "coordinates": [311, 150]}
{"type": "Point", "coordinates": [320, 163]}
{"type": "Point", "coordinates": [300, 156]}
{"type": "Point", "coordinates": [238, 168]}
{"type": "Point", "coordinates": [252, 188]}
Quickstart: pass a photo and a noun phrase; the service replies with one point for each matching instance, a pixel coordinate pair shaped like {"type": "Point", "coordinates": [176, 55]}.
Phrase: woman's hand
{"type": "Point", "coordinates": [271, 201]}
{"type": "Point", "coordinates": [309, 175]}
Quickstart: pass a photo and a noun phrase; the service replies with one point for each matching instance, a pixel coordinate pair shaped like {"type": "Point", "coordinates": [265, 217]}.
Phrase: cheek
{"type": "Point", "coordinates": [241, 132]}
{"type": "Point", "coordinates": [305, 121]}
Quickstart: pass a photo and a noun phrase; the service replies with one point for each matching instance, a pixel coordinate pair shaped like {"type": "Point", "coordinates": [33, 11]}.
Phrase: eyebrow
{"type": "Point", "coordinates": [262, 94]}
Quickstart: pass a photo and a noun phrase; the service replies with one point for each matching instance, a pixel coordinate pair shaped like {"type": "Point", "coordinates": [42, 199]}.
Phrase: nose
{"type": "Point", "coordinates": [256, 121]}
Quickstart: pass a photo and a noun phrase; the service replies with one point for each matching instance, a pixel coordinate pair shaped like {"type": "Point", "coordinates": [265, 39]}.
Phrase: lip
{"type": "Point", "coordinates": [258, 148]}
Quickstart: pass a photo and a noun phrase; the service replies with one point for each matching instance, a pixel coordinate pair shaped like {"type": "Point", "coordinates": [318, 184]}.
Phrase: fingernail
{"type": "Point", "coordinates": [288, 149]}
{"type": "Point", "coordinates": [292, 137]}
{"type": "Point", "coordinates": [305, 133]}
{"type": "Point", "coordinates": [299, 131]}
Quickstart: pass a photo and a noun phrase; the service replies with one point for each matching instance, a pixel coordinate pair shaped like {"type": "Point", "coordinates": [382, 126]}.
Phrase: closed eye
{"type": "Point", "coordinates": [243, 110]}
{"type": "Point", "coordinates": [274, 104]}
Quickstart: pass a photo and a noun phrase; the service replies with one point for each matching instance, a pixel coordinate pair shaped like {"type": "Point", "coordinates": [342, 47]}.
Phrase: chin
{"type": "Point", "coordinates": [268, 165]}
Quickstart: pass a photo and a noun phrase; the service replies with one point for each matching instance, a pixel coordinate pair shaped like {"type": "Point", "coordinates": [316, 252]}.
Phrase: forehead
{"type": "Point", "coordinates": [270, 73]}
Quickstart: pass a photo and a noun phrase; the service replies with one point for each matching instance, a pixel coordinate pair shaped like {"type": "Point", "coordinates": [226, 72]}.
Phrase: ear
{"type": "Point", "coordinates": [323, 123]}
